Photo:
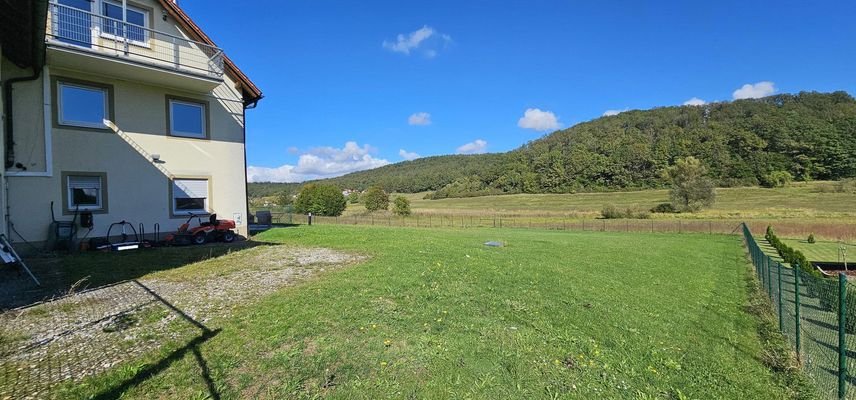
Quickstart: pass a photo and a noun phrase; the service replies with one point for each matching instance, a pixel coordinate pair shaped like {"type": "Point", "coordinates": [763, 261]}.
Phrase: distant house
{"type": "Point", "coordinates": [126, 109]}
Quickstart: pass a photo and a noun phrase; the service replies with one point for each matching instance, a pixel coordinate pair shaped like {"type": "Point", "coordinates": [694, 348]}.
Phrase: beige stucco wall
{"type": "Point", "coordinates": [138, 189]}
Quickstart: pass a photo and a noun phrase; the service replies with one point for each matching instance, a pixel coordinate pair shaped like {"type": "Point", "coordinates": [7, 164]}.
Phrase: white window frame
{"type": "Point", "coordinates": [83, 124]}
{"type": "Point", "coordinates": [203, 108]}
{"type": "Point", "coordinates": [203, 211]}
{"type": "Point", "coordinates": [146, 19]}
{"type": "Point", "coordinates": [70, 206]}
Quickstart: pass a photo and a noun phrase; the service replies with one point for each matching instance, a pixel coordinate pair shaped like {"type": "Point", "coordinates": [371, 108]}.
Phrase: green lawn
{"type": "Point", "coordinates": [823, 250]}
{"type": "Point", "coordinates": [436, 314]}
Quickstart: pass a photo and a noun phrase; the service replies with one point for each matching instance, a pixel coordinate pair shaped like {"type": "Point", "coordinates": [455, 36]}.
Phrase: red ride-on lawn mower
{"type": "Point", "coordinates": [215, 230]}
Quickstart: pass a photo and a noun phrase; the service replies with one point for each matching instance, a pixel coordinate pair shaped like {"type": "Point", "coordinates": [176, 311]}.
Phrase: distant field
{"type": "Point", "coordinates": [800, 200]}
{"type": "Point", "coordinates": [795, 211]}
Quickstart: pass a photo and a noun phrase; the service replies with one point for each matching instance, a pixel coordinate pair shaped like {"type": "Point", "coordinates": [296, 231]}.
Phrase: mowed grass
{"type": "Point", "coordinates": [799, 200]}
{"type": "Point", "coordinates": [824, 250]}
{"type": "Point", "coordinates": [436, 314]}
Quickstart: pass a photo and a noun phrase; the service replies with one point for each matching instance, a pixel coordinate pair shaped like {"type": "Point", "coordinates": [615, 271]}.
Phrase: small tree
{"type": "Point", "coordinates": [401, 206]}
{"type": "Point", "coordinates": [318, 199]}
{"type": "Point", "coordinates": [354, 197]}
{"type": "Point", "coordinates": [284, 198]}
{"type": "Point", "coordinates": [375, 199]}
{"type": "Point", "coordinates": [691, 188]}
{"type": "Point", "coordinates": [777, 179]}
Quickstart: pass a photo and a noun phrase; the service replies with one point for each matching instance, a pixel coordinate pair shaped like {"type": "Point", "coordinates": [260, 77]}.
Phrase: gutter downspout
{"type": "Point", "coordinates": [7, 104]}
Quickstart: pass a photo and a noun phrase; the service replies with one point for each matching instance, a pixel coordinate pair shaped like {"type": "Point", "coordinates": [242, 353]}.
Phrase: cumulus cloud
{"type": "Point", "coordinates": [425, 38]}
{"type": "Point", "coordinates": [695, 101]}
{"type": "Point", "coordinates": [477, 146]}
{"type": "Point", "coordinates": [420, 118]}
{"type": "Point", "coordinates": [538, 120]}
{"type": "Point", "coordinates": [407, 155]}
{"type": "Point", "coordinates": [609, 113]}
{"type": "Point", "coordinates": [320, 162]}
{"type": "Point", "coordinates": [754, 91]}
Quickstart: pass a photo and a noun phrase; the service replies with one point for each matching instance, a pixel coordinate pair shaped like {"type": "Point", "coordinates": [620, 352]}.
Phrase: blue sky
{"type": "Point", "coordinates": [351, 85]}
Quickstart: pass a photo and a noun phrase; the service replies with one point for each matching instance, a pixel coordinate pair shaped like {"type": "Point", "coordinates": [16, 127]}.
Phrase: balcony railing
{"type": "Point", "coordinates": [108, 36]}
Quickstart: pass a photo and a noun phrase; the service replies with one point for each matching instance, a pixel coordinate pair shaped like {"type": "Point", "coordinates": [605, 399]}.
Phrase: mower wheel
{"type": "Point", "coordinates": [199, 238]}
{"type": "Point", "coordinates": [228, 236]}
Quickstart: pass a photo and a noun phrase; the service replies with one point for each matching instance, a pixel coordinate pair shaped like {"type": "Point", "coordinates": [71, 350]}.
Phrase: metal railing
{"type": "Point", "coordinates": [69, 26]}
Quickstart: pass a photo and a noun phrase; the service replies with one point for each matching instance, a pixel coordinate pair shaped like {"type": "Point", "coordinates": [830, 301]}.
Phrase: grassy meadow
{"type": "Point", "coordinates": [799, 200]}
{"type": "Point", "coordinates": [436, 314]}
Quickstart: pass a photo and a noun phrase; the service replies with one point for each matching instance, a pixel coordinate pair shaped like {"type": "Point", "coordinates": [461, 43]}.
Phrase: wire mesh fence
{"type": "Point", "coordinates": [816, 313]}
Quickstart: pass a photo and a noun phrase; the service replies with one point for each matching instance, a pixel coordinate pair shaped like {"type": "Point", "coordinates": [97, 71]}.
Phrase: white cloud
{"type": "Point", "coordinates": [695, 101]}
{"type": "Point", "coordinates": [320, 162]}
{"type": "Point", "coordinates": [609, 113]}
{"type": "Point", "coordinates": [538, 120]}
{"type": "Point", "coordinates": [477, 146]}
{"type": "Point", "coordinates": [293, 150]}
{"type": "Point", "coordinates": [750, 91]}
{"type": "Point", "coordinates": [407, 155]}
{"type": "Point", "coordinates": [426, 38]}
{"type": "Point", "coordinates": [420, 118]}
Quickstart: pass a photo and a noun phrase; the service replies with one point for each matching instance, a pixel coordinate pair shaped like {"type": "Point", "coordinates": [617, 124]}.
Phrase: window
{"type": "Point", "coordinates": [137, 19]}
{"type": "Point", "coordinates": [187, 118]}
{"type": "Point", "coordinates": [189, 196]}
{"type": "Point", "coordinates": [84, 192]}
{"type": "Point", "coordinates": [82, 105]}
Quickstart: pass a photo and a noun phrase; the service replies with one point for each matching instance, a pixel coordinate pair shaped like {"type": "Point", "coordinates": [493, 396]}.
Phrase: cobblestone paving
{"type": "Point", "coordinates": [86, 333]}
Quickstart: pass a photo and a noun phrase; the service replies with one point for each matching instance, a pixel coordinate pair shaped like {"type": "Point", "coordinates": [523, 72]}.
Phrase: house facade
{"type": "Point", "coordinates": [127, 110]}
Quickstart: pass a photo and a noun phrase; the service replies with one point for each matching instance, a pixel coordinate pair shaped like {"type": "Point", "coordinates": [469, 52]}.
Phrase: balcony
{"type": "Point", "coordinates": [88, 42]}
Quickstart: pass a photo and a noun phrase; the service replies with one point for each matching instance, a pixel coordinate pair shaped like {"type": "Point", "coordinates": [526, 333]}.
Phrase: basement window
{"type": "Point", "coordinates": [189, 196]}
{"type": "Point", "coordinates": [187, 118]}
{"type": "Point", "coordinates": [82, 105]}
{"type": "Point", "coordinates": [84, 192]}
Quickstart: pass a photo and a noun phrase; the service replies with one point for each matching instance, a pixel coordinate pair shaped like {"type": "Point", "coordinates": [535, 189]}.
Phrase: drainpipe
{"type": "Point", "coordinates": [7, 103]}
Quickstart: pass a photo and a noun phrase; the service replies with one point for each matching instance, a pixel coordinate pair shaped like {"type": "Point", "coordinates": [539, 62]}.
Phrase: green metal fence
{"type": "Point", "coordinates": [817, 315]}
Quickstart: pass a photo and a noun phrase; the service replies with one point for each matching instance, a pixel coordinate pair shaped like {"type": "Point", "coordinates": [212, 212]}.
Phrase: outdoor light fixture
{"type": "Point", "coordinates": [155, 157]}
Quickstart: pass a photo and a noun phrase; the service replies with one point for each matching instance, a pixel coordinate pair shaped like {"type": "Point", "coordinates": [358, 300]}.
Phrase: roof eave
{"type": "Point", "coordinates": [251, 93]}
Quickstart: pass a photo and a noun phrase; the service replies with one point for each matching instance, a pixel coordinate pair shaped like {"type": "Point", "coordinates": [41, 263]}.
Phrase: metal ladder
{"type": "Point", "coordinates": [9, 256]}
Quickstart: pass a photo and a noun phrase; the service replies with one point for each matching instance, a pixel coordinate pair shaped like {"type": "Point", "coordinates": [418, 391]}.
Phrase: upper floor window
{"type": "Point", "coordinates": [187, 118]}
{"type": "Point", "coordinates": [82, 105]}
{"type": "Point", "coordinates": [134, 30]}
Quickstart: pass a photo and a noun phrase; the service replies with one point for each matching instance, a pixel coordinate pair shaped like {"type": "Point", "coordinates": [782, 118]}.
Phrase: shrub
{"type": "Point", "coordinates": [320, 199]}
{"type": "Point", "coordinates": [811, 239]}
{"type": "Point", "coordinates": [691, 189]}
{"type": "Point", "coordinates": [663, 208]}
{"type": "Point", "coordinates": [777, 179]}
{"type": "Point", "coordinates": [401, 206]}
{"type": "Point", "coordinates": [816, 281]}
{"type": "Point", "coordinates": [611, 212]}
{"type": "Point", "coordinates": [354, 197]}
{"type": "Point", "coordinates": [375, 199]}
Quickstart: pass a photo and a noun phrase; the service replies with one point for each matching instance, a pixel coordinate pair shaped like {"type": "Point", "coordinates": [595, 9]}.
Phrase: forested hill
{"type": "Point", "coordinates": [811, 135]}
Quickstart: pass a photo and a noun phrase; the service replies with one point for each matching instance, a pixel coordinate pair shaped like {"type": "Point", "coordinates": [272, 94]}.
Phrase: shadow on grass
{"type": "Point", "coordinates": [152, 370]}
{"type": "Point", "coordinates": [61, 275]}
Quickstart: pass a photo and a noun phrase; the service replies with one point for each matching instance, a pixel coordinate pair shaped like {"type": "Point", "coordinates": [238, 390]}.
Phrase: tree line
{"type": "Point", "coordinates": [765, 141]}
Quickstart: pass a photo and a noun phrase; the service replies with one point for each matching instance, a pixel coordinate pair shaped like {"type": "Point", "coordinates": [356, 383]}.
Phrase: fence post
{"type": "Point", "coordinates": [842, 344]}
{"type": "Point", "coordinates": [795, 269]}
{"type": "Point", "coordinates": [769, 277]}
{"type": "Point", "coordinates": [781, 315]}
